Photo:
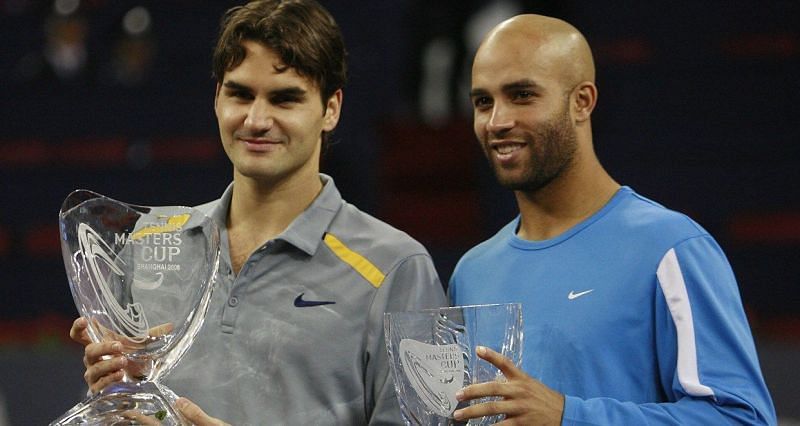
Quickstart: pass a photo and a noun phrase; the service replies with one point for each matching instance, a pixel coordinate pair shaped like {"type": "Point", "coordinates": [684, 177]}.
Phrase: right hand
{"type": "Point", "coordinates": [104, 361]}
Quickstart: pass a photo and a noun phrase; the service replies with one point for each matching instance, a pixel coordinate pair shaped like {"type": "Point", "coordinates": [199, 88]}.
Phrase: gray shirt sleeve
{"type": "Point", "coordinates": [411, 285]}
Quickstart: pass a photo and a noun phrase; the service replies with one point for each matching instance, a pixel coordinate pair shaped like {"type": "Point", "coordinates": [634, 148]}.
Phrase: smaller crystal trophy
{"type": "Point", "coordinates": [141, 276]}
{"type": "Point", "coordinates": [432, 356]}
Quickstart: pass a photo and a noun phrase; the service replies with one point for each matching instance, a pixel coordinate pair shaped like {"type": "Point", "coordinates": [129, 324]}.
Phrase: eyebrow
{"type": "Point", "coordinates": [476, 92]}
{"type": "Point", "coordinates": [521, 84]}
{"type": "Point", "coordinates": [286, 91]}
{"type": "Point", "coordinates": [235, 86]}
{"type": "Point", "coordinates": [508, 87]}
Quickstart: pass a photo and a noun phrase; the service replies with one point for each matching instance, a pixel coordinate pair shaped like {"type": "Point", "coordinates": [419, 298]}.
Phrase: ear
{"type": "Point", "coordinates": [333, 107]}
{"type": "Point", "coordinates": [585, 99]}
{"type": "Point", "coordinates": [216, 96]}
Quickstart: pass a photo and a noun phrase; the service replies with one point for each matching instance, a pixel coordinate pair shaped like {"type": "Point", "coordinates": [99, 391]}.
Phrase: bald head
{"type": "Point", "coordinates": [533, 93]}
{"type": "Point", "coordinates": [554, 47]}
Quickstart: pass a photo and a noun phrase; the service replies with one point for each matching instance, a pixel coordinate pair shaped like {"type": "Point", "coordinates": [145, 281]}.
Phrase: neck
{"type": "Point", "coordinates": [264, 210]}
{"type": "Point", "coordinates": [566, 201]}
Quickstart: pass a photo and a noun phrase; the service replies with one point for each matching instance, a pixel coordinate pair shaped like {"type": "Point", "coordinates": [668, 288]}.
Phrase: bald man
{"type": "Point", "coordinates": [632, 313]}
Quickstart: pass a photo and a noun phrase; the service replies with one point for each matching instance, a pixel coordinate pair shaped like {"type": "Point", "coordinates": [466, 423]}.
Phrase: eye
{"type": "Point", "coordinates": [284, 99]}
{"type": "Point", "coordinates": [523, 95]}
{"type": "Point", "coordinates": [481, 102]}
{"type": "Point", "coordinates": [240, 94]}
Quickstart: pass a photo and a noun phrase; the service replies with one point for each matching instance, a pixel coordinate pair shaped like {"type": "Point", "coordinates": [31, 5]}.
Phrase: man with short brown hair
{"type": "Point", "coordinates": [294, 332]}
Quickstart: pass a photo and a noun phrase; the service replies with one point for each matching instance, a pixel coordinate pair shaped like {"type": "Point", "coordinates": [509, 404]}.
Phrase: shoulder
{"type": "Point", "coordinates": [379, 242]}
{"type": "Point", "coordinates": [496, 242]}
{"type": "Point", "coordinates": [208, 207]}
{"type": "Point", "coordinates": [655, 234]}
{"type": "Point", "coordinates": [211, 208]}
{"type": "Point", "coordinates": [639, 216]}
{"type": "Point", "coordinates": [488, 249]}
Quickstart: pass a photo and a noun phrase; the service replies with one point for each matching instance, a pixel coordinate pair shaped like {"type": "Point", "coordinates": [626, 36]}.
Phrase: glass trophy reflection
{"type": "Point", "coordinates": [142, 276]}
{"type": "Point", "coordinates": [432, 356]}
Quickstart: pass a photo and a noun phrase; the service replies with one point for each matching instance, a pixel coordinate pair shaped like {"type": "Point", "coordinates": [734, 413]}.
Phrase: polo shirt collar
{"type": "Point", "coordinates": [220, 212]}
{"type": "Point", "coordinates": [307, 229]}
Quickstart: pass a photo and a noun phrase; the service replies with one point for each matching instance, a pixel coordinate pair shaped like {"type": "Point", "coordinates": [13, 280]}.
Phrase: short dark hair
{"type": "Point", "coordinates": [301, 32]}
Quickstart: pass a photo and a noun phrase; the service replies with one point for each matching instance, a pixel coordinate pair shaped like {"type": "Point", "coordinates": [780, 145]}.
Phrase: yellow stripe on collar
{"type": "Point", "coordinates": [355, 260]}
{"type": "Point", "coordinates": [173, 224]}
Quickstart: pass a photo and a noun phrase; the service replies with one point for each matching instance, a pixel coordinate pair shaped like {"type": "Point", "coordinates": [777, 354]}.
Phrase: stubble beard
{"type": "Point", "coordinates": [552, 151]}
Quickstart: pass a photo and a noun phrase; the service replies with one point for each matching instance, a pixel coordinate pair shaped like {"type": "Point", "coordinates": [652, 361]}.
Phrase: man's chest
{"type": "Point", "coordinates": [280, 293]}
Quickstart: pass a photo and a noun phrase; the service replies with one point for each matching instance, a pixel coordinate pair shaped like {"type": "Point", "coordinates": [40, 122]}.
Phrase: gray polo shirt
{"type": "Point", "coordinates": [297, 337]}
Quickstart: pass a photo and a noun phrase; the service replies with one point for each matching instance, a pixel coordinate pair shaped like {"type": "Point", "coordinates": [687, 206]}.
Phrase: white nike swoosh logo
{"type": "Point", "coordinates": [573, 295]}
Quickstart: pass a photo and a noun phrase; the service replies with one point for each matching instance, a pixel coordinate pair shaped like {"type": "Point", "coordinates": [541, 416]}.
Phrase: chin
{"type": "Point", "coordinates": [510, 183]}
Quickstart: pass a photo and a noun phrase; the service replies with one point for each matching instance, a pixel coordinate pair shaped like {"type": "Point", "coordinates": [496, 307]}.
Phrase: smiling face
{"type": "Point", "coordinates": [532, 93]}
{"type": "Point", "coordinates": [271, 119]}
{"type": "Point", "coordinates": [521, 114]}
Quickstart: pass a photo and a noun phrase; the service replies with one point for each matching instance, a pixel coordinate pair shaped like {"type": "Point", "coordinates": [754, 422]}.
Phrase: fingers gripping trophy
{"type": "Point", "coordinates": [141, 276]}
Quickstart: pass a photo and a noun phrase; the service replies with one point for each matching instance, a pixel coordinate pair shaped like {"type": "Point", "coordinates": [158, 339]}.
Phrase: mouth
{"type": "Point", "coordinates": [259, 144]}
{"type": "Point", "coordinates": [505, 150]}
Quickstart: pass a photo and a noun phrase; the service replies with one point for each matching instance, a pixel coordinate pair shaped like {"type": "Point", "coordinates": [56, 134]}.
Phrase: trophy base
{"type": "Point", "coordinates": [145, 403]}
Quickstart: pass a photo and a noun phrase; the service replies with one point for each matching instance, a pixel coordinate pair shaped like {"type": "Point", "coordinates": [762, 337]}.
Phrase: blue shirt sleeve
{"type": "Point", "coordinates": [707, 362]}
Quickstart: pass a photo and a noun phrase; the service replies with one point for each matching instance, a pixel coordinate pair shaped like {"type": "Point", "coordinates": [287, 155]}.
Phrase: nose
{"type": "Point", "coordinates": [259, 116]}
{"type": "Point", "coordinates": [500, 120]}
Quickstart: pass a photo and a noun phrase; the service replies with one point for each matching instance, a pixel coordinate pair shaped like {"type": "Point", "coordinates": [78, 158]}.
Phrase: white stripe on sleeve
{"type": "Point", "coordinates": [671, 281]}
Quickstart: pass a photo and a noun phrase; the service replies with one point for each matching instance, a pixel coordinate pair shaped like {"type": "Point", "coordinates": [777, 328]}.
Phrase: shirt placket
{"type": "Point", "coordinates": [233, 304]}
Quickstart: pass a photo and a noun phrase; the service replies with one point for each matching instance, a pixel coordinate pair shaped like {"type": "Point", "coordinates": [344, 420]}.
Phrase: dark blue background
{"type": "Point", "coordinates": [697, 110]}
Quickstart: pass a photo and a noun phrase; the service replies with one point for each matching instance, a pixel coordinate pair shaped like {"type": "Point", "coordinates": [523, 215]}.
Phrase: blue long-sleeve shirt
{"type": "Point", "coordinates": [633, 314]}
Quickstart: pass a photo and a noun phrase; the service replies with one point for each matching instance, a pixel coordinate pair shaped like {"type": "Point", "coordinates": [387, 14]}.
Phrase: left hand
{"type": "Point", "coordinates": [196, 415]}
{"type": "Point", "coordinates": [525, 400]}
{"type": "Point", "coordinates": [189, 410]}
{"type": "Point", "coordinates": [137, 418]}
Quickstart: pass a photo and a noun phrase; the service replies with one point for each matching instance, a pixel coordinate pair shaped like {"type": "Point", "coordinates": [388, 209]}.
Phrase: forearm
{"type": "Point", "coordinates": [688, 410]}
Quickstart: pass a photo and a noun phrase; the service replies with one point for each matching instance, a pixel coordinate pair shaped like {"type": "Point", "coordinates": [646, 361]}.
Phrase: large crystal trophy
{"type": "Point", "coordinates": [141, 276]}
{"type": "Point", "coordinates": [432, 356]}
